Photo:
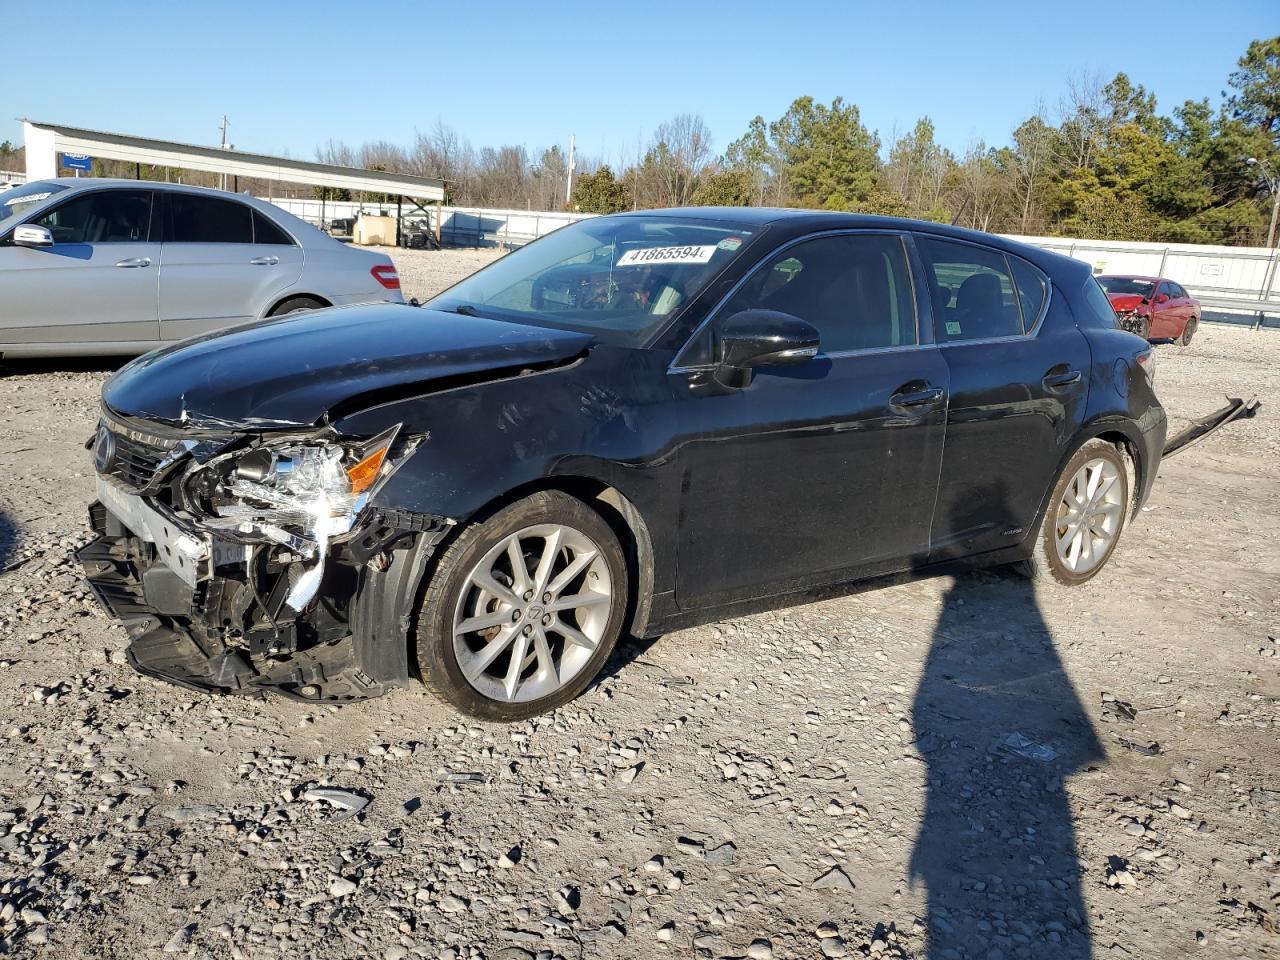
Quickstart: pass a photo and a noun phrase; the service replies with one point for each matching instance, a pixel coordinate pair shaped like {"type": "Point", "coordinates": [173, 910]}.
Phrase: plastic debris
{"type": "Point", "coordinates": [1016, 745]}
{"type": "Point", "coordinates": [1151, 749]}
{"type": "Point", "coordinates": [348, 802]}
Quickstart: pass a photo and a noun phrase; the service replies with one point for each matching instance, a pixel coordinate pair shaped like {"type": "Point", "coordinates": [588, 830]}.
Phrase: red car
{"type": "Point", "coordinates": [1153, 306]}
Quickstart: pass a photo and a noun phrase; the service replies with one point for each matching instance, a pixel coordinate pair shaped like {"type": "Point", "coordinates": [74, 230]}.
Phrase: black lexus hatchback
{"type": "Point", "coordinates": [639, 422]}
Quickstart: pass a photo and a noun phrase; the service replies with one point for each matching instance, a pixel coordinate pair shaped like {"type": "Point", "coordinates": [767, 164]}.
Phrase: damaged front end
{"type": "Point", "coordinates": [244, 561]}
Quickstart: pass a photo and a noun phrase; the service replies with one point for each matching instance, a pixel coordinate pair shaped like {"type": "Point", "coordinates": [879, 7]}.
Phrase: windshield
{"type": "Point", "coordinates": [620, 277]}
{"type": "Point", "coordinates": [1127, 286]}
{"type": "Point", "coordinates": [16, 201]}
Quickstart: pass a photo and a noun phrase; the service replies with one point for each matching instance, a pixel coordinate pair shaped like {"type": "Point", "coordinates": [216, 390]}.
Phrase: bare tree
{"type": "Point", "coordinates": [918, 169]}
{"type": "Point", "coordinates": [679, 153]}
{"type": "Point", "coordinates": [1082, 119]}
{"type": "Point", "coordinates": [442, 153]}
{"type": "Point", "coordinates": [981, 187]}
{"type": "Point", "coordinates": [502, 177]}
{"type": "Point", "coordinates": [1035, 143]}
{"type": "Point", "coordinates": [549, 180]}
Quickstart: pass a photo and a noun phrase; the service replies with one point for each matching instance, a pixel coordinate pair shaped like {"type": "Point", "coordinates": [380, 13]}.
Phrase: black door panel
{"type": "Point", "coordinates": [1007, 429]}
{"type": "Point", "coordinates": [812, 473]}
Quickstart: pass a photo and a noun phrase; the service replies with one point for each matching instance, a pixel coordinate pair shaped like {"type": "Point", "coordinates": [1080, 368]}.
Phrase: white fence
{"type": "Point", "coordinates": [1222, 278]}
{"type": "Point", "coordinates": [1233, 279]}
{"type": "Point", "coordinates": [460, 227]}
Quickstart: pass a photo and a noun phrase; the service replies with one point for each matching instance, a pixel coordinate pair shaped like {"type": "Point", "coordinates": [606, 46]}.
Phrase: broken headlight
{"type": "Point", "coordinates": [298, 493]}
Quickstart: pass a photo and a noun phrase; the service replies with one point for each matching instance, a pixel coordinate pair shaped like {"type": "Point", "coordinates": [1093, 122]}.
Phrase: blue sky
{"type": "Point", "coordinates": [291, 75]}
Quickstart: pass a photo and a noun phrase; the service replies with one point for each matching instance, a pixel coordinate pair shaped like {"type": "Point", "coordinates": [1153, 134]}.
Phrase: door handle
{"type": "Point", "coordinates": [918, 398]}
{"type": "Point", "coordinates": [1055, 381]}
{"type": "Point", "coordinates": [135, 262]}
{"type": "Point", "coordinates": [265, 261]}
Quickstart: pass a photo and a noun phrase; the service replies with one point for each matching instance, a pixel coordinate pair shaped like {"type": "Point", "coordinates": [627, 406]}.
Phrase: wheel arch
{"type": "Point", "coordinates": [281, 300]}
{"type": "Point", "coordinates": [1125, 437]}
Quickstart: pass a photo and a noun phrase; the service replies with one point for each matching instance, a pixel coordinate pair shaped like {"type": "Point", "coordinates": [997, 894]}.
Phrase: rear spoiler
{"type": "Point", "coordinates": [1236, 409]}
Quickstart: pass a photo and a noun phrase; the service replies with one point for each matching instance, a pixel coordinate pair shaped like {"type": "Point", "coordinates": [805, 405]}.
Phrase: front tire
{"type": "Point", "coordinates": [524, 609]}
{"type": "Point", "coordinates": [1085, 517]}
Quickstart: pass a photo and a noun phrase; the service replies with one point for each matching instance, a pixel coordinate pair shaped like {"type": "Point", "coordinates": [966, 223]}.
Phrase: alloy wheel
{"type": "Point", "coordinates": [1089, 517]}
{"type": "Point", "coordinates": [532, 612]}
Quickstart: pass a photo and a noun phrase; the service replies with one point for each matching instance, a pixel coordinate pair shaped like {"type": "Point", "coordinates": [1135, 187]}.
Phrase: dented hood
{"type": "Point", "coordinates": [293, 370]}
{"type": "Point", "coordinates": [1125, 301]}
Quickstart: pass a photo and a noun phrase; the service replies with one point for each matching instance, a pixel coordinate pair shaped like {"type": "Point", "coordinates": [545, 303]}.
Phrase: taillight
{"type": "Point", "coordinates": [1147, 361]}
{"type": "Point", "coordinates": [386, 275]}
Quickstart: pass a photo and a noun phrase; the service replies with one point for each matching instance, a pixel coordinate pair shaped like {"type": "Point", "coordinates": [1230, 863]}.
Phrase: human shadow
{"type": "Point", "coordinates": [8, 540]}
{"type": "Point", "coordinates": [1000, 726]}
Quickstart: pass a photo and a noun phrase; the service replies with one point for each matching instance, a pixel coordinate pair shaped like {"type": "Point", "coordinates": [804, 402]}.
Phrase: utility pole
{"type": "Point", "coordinates": [1272, 184]}
{"type": "Point", "coordinates": [1269, 276]}
{"type": "Point", "coordinates": [223, 146]}
{"type": "Point", "coordinates": [568, 192]}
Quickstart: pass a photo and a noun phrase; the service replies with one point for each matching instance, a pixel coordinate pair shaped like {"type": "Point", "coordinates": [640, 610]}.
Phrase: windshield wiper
{"type": "Point", "coordinates": [467, 310]}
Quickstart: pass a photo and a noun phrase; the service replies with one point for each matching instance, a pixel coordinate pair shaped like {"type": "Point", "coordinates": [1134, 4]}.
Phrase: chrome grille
{"type": "Point", "coordinates": [129, 457]}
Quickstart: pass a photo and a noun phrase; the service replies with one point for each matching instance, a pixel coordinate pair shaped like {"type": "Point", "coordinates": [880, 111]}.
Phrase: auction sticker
{"type": "Point", "coordinates": [636, 258]}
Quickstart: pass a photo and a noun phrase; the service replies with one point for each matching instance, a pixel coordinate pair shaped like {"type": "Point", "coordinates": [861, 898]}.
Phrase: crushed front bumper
{"type": "Point", "coordinates": [179, 632]}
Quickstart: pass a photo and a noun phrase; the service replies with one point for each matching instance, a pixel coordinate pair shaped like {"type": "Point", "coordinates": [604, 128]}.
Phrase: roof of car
{"type": "Point", "coordinates": [293, 224]}
{"type": "Point", "coordinates": [833, 220]}
{"type": "Point", "coordinates": [91, 182]}
{"type": "Point", "coordinates": [1129, 276]}
{"type": "Point", "coordinates": [819, 219]}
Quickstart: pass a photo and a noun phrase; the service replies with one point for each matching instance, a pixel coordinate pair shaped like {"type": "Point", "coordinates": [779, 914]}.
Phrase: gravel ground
{"type": "Point", "coordinates": [959, 768]}
{"type": "Point", "coordinates": [424, 273]}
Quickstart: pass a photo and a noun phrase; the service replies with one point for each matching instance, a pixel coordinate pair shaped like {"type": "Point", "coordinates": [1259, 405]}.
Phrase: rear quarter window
{"type": "Point", "coordinates": [1032, 291]}
{"type": "Point", "coordinates": [1098, 312]}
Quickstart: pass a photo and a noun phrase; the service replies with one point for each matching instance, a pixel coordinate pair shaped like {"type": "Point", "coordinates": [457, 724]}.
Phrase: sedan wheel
{"type": "Point", "coordinates": [532, 612]}
{"type": "Point", "coordinates": [1090, 514]}
{"type": "Point", "coordinates": [1085, 516]}
{"type": "Point", "coordinates": [524, 608]}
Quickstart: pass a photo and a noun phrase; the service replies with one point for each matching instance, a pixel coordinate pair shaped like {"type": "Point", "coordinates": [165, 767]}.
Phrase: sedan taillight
{"type": "Point", "coordinates": [1147, 363]}
{"type": "Point", "coordinates": [386, 275]}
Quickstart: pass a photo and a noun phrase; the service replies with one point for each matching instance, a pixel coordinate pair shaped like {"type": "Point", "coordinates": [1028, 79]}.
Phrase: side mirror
{"type": "Point", "coordinates": [763, 338]}
{"type": "Point", "coordinates": [29, 235]}
{"type": "Point", "coordinates": [1163, 298]}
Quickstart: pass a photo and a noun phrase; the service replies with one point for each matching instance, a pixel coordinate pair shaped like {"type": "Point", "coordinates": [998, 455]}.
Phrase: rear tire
{"type": "Point", "coordinates": [1189, 331]}
{"type": "Point", "coordinates": [297, 305]}
{"type": "Point", "coordinates": [1084, 519]}
{"type": "Point", "coordinates": [561, 615]}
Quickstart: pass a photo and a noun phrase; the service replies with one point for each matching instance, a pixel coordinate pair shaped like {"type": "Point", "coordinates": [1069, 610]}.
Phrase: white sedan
{"type": "Point", "coordinates": [93, 266]}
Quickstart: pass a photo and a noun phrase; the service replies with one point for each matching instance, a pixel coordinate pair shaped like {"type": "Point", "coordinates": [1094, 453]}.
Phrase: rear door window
{"type": "Point", "coordinates": [854, 288]}
{"type": "Point", "coordinates": [195, 219]}
{"type": "Point", "coordinates": [264, 231]}
{"type": "Point", "coordinates": [105, 216]}
{"type": "Point", "coordinates": [973, 291]}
